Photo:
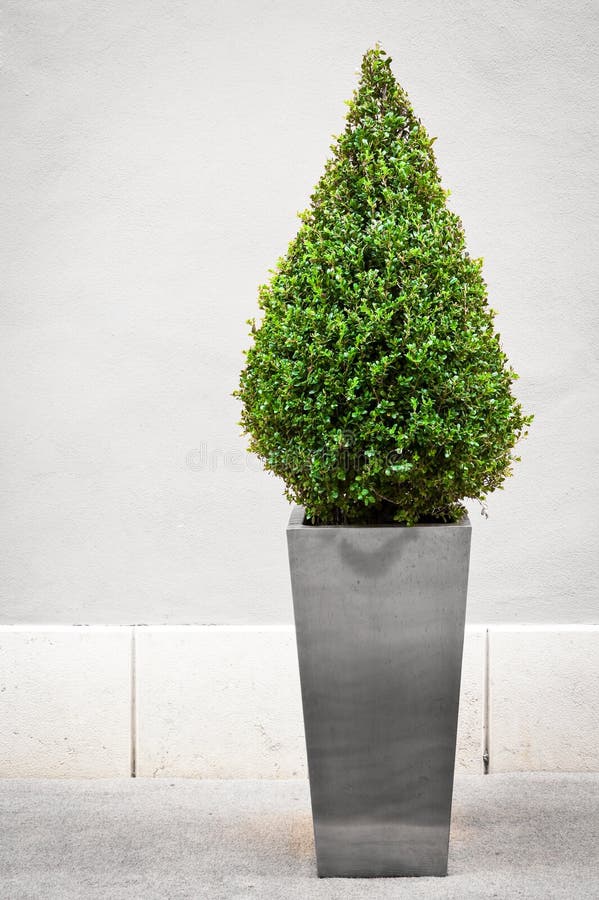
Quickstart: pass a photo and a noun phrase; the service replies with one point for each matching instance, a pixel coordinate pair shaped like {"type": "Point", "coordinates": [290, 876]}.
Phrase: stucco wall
{"type": "Point", "coordinates": [156, 156]}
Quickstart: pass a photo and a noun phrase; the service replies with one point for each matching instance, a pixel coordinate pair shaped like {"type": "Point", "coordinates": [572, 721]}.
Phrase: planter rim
{"type": "Point", "coordinates": [296, 522]}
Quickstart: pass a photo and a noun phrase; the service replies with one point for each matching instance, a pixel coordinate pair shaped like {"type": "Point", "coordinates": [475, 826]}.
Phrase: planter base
{"type": "Point", "coordinates": [379, 615]}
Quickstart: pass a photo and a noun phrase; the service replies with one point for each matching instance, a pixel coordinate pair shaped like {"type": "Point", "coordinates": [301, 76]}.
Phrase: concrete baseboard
{"type": "Point", "coordinates": [224, 701]}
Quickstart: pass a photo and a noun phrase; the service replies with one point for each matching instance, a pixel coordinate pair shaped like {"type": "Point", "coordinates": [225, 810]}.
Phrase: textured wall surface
{"type": "Point", "coordinates": [156, 156]}
{"type": "Point", "coordinates": [223, 701]}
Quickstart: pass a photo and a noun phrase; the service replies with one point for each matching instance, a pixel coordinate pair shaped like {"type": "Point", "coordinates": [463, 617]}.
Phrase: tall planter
{"type": "Point", "coordinates": [379, 614]}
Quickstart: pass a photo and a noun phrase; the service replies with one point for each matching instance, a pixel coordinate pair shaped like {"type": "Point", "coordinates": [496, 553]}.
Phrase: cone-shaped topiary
{"type": "Point", "coordinates": [376, 387]}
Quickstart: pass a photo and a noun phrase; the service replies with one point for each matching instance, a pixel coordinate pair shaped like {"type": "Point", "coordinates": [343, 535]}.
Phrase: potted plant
{"type": "Point", "coordinates": [377, 389]}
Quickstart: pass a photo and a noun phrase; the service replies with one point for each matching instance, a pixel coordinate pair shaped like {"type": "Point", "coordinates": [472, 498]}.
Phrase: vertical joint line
{"type": "Point", "coordinates": [133, 707]}
{"type": "Point", "coordinates": [486, 693]}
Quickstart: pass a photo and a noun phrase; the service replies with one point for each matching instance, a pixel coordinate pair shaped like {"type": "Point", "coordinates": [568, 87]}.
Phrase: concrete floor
{"type": "Point", "coordinates": [529, 836]}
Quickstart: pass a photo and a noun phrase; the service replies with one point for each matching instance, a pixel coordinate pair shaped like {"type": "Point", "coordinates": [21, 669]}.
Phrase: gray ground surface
{"type": "Point", "coordinates": [530, 836]}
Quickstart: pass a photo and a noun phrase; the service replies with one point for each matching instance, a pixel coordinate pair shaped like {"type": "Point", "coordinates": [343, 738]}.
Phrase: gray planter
{"type": "Point", "coordinates": [379, 615]}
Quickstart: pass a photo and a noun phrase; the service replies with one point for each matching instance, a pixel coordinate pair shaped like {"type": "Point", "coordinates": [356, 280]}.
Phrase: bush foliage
{"type": "Point", "coordinates": [376, 386]}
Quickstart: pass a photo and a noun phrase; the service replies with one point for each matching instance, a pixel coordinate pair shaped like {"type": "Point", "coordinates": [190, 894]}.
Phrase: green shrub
{"type": "Point", "coordinates": [376, 386]}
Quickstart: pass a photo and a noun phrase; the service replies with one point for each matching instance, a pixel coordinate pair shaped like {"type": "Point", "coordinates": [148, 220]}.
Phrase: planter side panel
{"type": "Point", "coordinates": [379, 618]}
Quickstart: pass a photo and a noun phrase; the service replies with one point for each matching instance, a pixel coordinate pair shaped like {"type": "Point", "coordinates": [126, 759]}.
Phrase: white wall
{"type": "Point", "coordinates": [157, 153]}
{"type": "Point", "coordinates": [224, 701]}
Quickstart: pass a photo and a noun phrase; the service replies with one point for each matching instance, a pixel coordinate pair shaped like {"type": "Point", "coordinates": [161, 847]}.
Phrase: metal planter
{"type": "Point", "coordinates": [379, 615]}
